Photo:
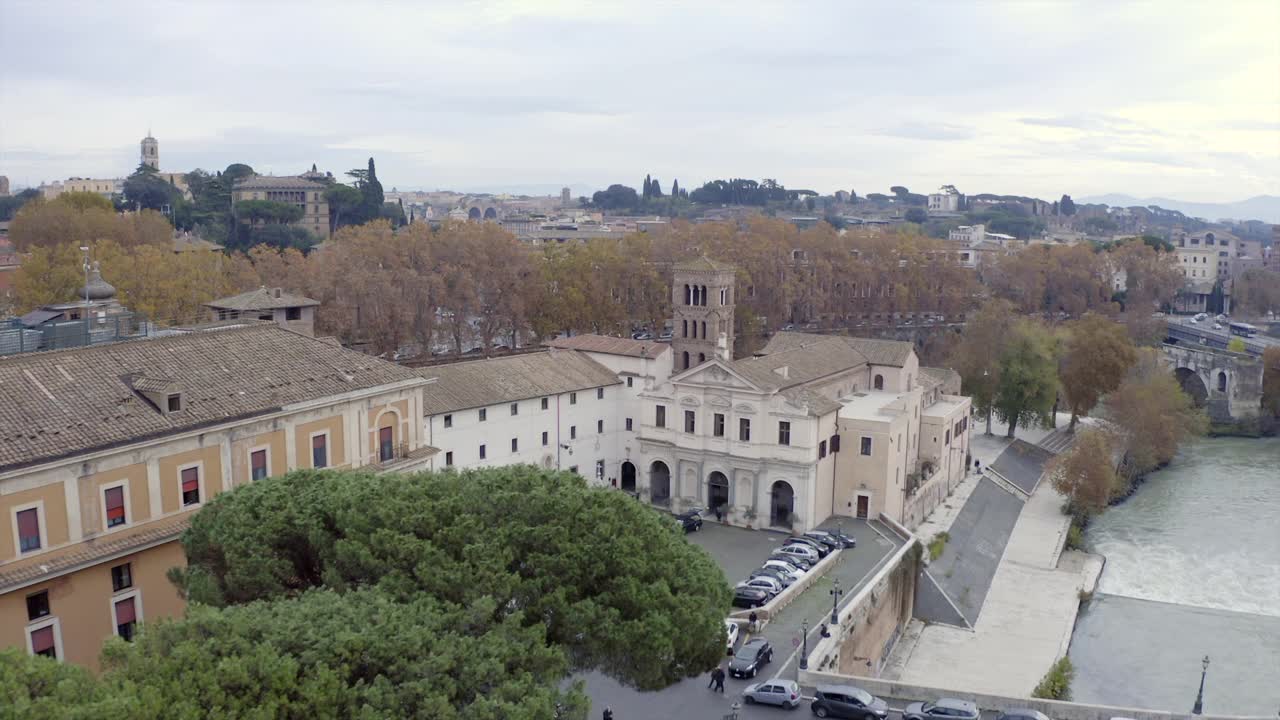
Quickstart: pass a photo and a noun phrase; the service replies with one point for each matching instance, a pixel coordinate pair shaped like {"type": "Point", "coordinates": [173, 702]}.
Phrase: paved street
{"type": "Point", "coordinates": [739, 551]}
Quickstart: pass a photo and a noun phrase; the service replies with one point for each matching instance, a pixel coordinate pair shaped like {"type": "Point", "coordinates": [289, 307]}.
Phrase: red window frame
{"type": "Point", "coordinates": [386, 444]}
{"type": "Point", "coordinates": [44, 642]}
{"type": "Point", "coordinates": [258, 470]}
{"type": "Point", "coordinates": [320, 451]}
{"type": "Point", "coordinates": [190, 483]}
{"type": "Point", "coordinates": [113, 498]}
{"type": "Point", "coordinates": [28, 530]}
{"type": "Point", "coordinates": [126, 612]}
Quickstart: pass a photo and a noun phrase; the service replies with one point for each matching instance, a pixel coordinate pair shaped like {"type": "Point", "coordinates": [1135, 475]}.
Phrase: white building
{"type": "Point", "coordinates": [968, 234]}
{"type": "Point", "coordinates": [946, 200]}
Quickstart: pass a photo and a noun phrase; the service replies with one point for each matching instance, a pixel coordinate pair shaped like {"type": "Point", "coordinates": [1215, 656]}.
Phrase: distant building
{"type": "Point", "coordinates": [292, 190]}
{"type": "Point", "coordinates": [293, 312]}
{"type": "Point", "coordinates": [566, 197]}
{"type": "Point", "coordinates": [4, 186]}
{"type": "Point", "coordinates": [150, 154]}
{"type": "Point", "coordinates": [968, 234]}
{"type": "Point", "coordinates": [946, 200]}
{"type": "Point", "coordinates": [94, 315]}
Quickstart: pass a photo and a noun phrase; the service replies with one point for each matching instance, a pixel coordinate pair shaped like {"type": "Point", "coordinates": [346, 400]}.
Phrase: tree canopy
{"type": "Point", "coordinates": [1096, 355]}
{"type": "Point", "coordinates": [1086, 473]}
{"type": "Point", "coordinates": [1028, 377]}
{"type": "Point", "coordinates": [1154, 412]}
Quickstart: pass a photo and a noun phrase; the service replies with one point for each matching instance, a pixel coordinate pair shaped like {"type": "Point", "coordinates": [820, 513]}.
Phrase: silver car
{"type": "Point", "coordinates": [784, 693]}
{"type": "Point", "coordinates": [763, 582]}
{"type": "Point", "coordinates": [801, 551]}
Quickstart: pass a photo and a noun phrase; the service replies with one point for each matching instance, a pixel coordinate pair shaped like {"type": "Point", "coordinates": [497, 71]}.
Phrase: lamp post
{"type": "Point", "coordinates": [836, 592]}
{"type": "Point", "coordinates": [85, 249]}
{"type": "Point", "coordinates": [1204, 669]}
{"type": "Point", "coordinates": [804, 645]}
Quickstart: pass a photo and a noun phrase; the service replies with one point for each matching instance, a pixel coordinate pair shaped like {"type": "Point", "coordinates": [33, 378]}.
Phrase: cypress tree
{"type": "Point", "coordinates": [646, 192]}
{"type": "Point", "coordinates": [675, 188]}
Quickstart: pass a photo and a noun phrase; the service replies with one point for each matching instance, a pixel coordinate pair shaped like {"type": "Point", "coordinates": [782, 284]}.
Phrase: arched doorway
{"type": "Point", "coordinates": [717, 491]}
{"type": "Point", "coordinates": [685, 357]}
{"type": "Point", "coordinates": [628, 477]}
{"type": "Point", "coordinates": [1222, 381]}
{"type": "Point", "coordinates": [490, 214]}
{"type": "Point", "coordinates": [878, 383]}
{"type": "Point", "coordinates": [659, 483]}
{"type": "Point", "coordinates": [782, 504]}
{"type": "Point", "coordinates": [1192, 385]}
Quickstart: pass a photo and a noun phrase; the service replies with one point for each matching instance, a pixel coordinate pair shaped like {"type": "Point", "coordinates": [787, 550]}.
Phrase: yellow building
{"type": "Point", "coordinates": [298, 191]}
{"type": "Point", "coordinates": [107, 450]}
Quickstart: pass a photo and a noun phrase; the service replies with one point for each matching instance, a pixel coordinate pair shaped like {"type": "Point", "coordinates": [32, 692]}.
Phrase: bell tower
{"type": "Point", "coordinates": [702, 299]}
{"type": "Point", "coordinates": [150, 152]}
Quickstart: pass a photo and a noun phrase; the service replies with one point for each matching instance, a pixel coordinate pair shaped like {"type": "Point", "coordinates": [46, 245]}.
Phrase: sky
{"type": "Point", "coordinates": [1171, 98]}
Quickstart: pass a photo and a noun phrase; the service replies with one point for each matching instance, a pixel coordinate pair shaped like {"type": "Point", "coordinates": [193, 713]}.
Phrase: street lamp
{"type": "Point", "coordinates": [804, 644]}
{"type": "Point", "coordinates": [85, 249]}
{"type": "Point", "coordinates": [1199, 706]}
{"type": "Point", "coordinates": [836, 592]}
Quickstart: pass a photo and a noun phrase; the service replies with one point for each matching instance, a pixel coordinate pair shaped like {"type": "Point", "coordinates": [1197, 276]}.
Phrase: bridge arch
{"type": "Point", "coordinates": [473, 213]}
{"type": "Point", "coordinates": [1193, 385]}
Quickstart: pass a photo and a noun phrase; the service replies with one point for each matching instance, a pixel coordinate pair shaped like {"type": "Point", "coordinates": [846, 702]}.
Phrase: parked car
{"type": "Point", "coordinates": [731, 636]}
{"type": "Point", "coordinates": [665, 336]}
{"type": "Point", "coordinates": [1022, 714]}
{"type": "Point", "coordinates": [755, 653]}
{"type": "Point", "coordinates": [837, 536]}
{"type": "Point", "coordinates": [691, 520]}
{"type": "Point", "coordinates": [846, 701]}
{"type": "Point", "coordinates": [824, 540]}
{"type": "Point", "coordinates": [749, 597]}
{"type": "Point", "coordinates": [801, 561]}
{"type": "Point", "coordinates": [785, 567]}
{"type": "Point", "coordinates": [942, 709]}
{"type": "Point", "coordinates": [785, 693]}
{"type": "Point", "coordinates": [818, 546]}
{"type": "Point", "coordinates": [763, 582]}
{"type": "Point", "coordinates": [782, 576]}
{"type": "Point", "coordinates": [801, 551]}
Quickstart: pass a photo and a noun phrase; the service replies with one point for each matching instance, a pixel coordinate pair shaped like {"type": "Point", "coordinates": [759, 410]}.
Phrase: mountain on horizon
{"type": "Point", "coordinates": [1263, 207]}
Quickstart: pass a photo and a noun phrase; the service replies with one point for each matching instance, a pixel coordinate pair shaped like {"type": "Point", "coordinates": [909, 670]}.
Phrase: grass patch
{"type": "Point", "coordinates": [1075, 537]}
{"type": "Point", "coordinates": [937, 544]}
{"type": "Point", "coordinates": [1056, 684]}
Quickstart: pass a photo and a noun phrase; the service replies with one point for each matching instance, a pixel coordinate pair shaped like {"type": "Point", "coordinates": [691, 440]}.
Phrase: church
{"type": "Point", "coordinates": [808, 427]}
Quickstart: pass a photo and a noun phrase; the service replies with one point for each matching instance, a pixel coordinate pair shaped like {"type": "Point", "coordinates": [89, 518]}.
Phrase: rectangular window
{"type": "Point", "coordinates": [191, 486]}
{"type": "Point", "coordinates": [175, 403]}
{"type": "Point", "coordinates": [835, 443]}
{"type": "Point", "coordinates": [258, 464]}
{"type": "Point", "coordinates": [386, 444]}
{"type": "Point", "coordinates": [482, 453]}
{"type": "Point", "coordinates": [28, 530]}
{"type": "Point", "coordinates": [484, 414]}
{"type": "Point", "coordinates": [717, 428]}
{"type": "Point", "coordinates": [37, 605]}
{"type": "Point", "coordinates": [573, 469]}
{"type": "Point", "coordinates": [660, 416]}
{"type": "Point", "coordinates": [599, 427]}
{"type": "Point", "coordinates": [784, 433]}
{"type": "Point", "coordinates": [544, 403]}
{"type": "Point", "coordinates": [43, 642]}
{"type": "Point", "coordinates": [573, 432]}
{"type": "Point", "coordinates": [744, 429]}
{"type": "Point", "coordinates": [448, 421]}
{"type": "Point", "coordinates": [293, 313]}
{"type": "Point", "coordinates": [113, 498]}
{"type": "Point", "coordinates": [690, 421]}
{"type": "Point", "coordinates": [866, 446]}
{"type": "Point", "coordinates": [599, 393]}
{"type": "Point", "coordinates": [448, 459]}
{"type": "Point", "coordinates": [515, 445]}
{"type": "Point", "coordinates": [121, 577]}
{"type": "Point", "coordinates": [822, 449]}
{"type": "Point", "coordinates": [573, 398]}
{"type": "Point", "coordinates": [544, 439]}
{"type": "Point", "coordinates": [320, 451]}
{"type": "Point", "coordinates": [628, 424]}
{"type": "Point", "coordinates": [515, 408]}
{"type": "Point", "coordinates": [629, 381]}
{"type": "Point", "coordinates": [947, 438]}
{"type": "Point", "coordinates": [126, 617]}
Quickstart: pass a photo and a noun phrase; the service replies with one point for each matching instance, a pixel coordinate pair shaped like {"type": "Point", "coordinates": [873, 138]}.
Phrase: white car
{"type": "Point", "coordinates": [731, 635]}
{"type": "Point", "coordinates": [786, 567]}
{"type": "Point", "coordinates": [763, 582]}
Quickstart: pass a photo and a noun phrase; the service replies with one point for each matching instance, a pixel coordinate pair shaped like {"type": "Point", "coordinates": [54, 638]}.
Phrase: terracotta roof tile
{"type": "Point", "coordinates": [480, 383]}
{"type": "Point", "coordinates": [610, 345]}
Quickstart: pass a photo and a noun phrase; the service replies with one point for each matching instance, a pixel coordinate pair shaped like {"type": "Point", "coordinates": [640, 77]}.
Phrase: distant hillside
{"type": "Point", "coordinates": [1263, 207]}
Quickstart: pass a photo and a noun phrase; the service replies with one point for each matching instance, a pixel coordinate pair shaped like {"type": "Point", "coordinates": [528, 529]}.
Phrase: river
{"type": "Point", "coordinates": [1193, 568]}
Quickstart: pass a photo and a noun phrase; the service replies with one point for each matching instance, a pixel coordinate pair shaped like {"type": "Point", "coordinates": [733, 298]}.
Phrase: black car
{"type": "Point", "coordinates": [817, 547]}
{"type": "Point", "coordinates": [799, 562]}
{"type": "Point", "coordinates": [691, 520]}
{"type": "Point", "coordinates": [786, 579]}
{"type": "Point", "coordinates": [840, 536]}
{"type": "Point", "coordinates": [846, 701]}
{"type": "Point", "coordinates": [749, 597]}
{"type": "Point", "coordinates": [750, 657]}
{"type": "Point", "coordinates": [819, 536]}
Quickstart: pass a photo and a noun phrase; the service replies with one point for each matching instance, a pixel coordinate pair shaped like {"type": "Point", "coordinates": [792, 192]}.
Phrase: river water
{"type": "Point", "coordinates": [1193, 568]}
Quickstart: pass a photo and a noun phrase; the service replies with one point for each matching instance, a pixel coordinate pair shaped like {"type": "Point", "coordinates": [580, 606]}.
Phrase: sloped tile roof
{"type": "Point", "coordinates": [703, 264]}
{"type": "Point", "coordinates": [480, 383]}
{"type": "Point", "coordinates": [261, 299]}
{"type": "Point", "coordinates": [946, 378]}
{"type": "Point", "coordinates": [274, 182]}
{"type": "Point", "coordinates": [610, 345]}
{"type": "Point", "coordinates": [892, 353]}
{"type": "Point", "coordinates": [804, 363]}
{"type": "Point", "coordinates": [62, 403]}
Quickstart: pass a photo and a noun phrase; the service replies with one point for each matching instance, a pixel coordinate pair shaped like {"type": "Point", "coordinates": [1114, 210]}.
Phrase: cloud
{"type": "Point", "coordinates": [1089, 122]}
{"type": "Point", "coordinates": [928, 131]}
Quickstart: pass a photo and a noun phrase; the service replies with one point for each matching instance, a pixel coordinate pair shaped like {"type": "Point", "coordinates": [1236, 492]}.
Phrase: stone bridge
{"type": "Point", "coordinates": [1228, 384]}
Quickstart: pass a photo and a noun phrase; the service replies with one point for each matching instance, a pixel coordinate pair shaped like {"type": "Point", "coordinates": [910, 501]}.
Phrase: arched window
{"type": "Point", "coordinates": [702, 293]}
{"type": "Point", "coordinates": [702, 358]}
{"type": "Point", "coordinates": [704, 329]}
{"type": "Point", "coordinates": [879, 382]}
{"type": "Point", "coordinates": [1222, 382]}
{"type": "Point", "coordinates": [684, 328]}
{"type": "Point", "coordinates": [688, 295]}
{"type": "Point", "coordinates": [686, 360]}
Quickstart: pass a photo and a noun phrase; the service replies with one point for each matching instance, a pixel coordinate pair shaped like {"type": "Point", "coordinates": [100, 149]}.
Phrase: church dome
{"type": "Point", "coordinates": [97, 289]}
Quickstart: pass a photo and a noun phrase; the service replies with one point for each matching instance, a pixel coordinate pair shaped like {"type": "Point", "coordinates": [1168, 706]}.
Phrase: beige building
{"type": "Point", "coordinates": [298, 191]}
{"type": "Point", "coordinates": [293, 312]}
{"type": "Point", "coordinates": [107, 450]}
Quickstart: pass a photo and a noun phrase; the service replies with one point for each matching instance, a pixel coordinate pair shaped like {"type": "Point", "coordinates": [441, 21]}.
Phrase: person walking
{"type": "Point", "coordinates": [751, 619]}
{"type": "Point", "coordinates": [711, 682]}
{"type": "Point", "coordinates": [717, 676]}
{"type": "Point", "coordinates": [608, 714]}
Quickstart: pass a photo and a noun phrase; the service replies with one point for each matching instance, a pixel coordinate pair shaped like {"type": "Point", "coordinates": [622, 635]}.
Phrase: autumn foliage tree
{"type": "Point", "coordinates": [1028, 377]}
{"type": "Point", "coordinates": [1086, 473]}
{"type": "Point", "coordinates": [1096, 354]}
{"type": "Point", "coordinates": [977, 357]}
{"type": "Point", "coordinates": [1153, 413]}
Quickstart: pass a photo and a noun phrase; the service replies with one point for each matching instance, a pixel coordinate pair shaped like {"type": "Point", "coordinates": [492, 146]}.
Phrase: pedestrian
{"type": "Point", "coordinates": [719, 514]}
{"type": "Point", "coordinates": [752, 618]}
{"type": "Point", "coordinates": [718, 674]}
{"type": "Point", "coordinates": [711, 682]}
{"type": "Point", "coordinates": [608, 714]}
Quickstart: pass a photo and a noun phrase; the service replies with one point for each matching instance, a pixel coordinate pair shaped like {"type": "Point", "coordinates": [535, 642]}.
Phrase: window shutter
{"type": "Point", "coordinates": [28, 523]}
{"type": "Point", "coordinates": [835, 443]}
{"type": "Point", "coordinates": [317, 442]}
{"type": "Point", "coordinates": [42, 640]}
{"type": "Point", "coordinates": [115, 503]}
{"type": "Point", "coordinates": [125, 611]}
{"type": "Point", "coordinates": [190, 479]}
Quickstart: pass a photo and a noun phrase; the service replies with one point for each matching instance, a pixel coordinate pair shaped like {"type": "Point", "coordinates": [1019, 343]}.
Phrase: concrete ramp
{"type": "Point", "coordinates": [1022, 464]}
{"type": "Point", "coordinates": [978, 537]}
{"type": "Point", "coordinates": [933, 605]}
